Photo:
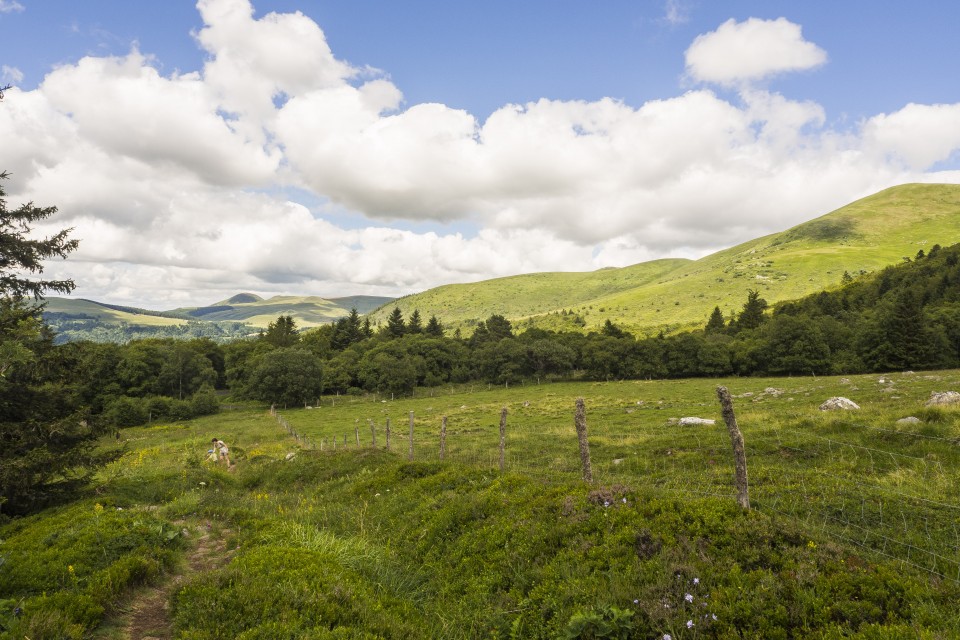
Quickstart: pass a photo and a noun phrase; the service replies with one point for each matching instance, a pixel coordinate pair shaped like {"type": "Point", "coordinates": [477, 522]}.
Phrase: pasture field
{"type": "Point", "coordinates": [854, 530]}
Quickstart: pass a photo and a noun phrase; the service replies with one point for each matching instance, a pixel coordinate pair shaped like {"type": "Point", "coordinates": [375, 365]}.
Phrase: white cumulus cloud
{"type": "Point", "coordinates": [751, 50]}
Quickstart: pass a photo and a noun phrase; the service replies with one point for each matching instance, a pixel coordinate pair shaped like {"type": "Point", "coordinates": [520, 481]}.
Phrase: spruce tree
{"type": "Point", "coordinates": [396, 327]}
{"type": "Point", "coordinates": [415, 324]}
{"type": "Point", "coordinates": [715, 324]}
{"type": "Point", "coordinates": [434, 328]}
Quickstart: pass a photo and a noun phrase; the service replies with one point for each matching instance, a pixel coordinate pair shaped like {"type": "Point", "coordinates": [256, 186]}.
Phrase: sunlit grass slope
{"type": "Point", "coordinates": [307, 311]}
{"type": "Point", "coordinates": [670, 295]}
{"type": "Point", "coordinates": [106, 314]}
{"type": "Point", "coordinates": [852, 532]}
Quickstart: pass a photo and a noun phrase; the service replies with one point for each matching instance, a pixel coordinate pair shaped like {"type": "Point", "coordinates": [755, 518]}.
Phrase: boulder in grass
{"type": "Point", "coordinates": [691, 421]}
{"type": "Point", "coordinates": [909, 420]}
{"type": "Point", "coordinates": [839, 403]}
{"type": "Point", "coordinates": [938, 398]}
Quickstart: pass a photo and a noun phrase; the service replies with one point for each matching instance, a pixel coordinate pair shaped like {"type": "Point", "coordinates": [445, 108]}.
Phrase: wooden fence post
{"type": "Point", "coordinates": [580, 421]}
{"type": "Point", "coordinates": [443, 437]}
{"type": "Point", "coordinates": [503, 436]}
{"type": "Point", "coordinates": [373, 434]}
{"type": "Point", "coordinates": [356, 429]}
{"type": "Point", "coordinates": [388, 434]}
{"type": "Point", "coordinates": [410, 452]}
{"type": "Point", "coordinates": [736, 438]}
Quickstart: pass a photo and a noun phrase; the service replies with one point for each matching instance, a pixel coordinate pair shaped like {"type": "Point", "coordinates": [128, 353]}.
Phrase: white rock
{"type": "Point", "coordinates": [943, 397]}
{"type": "Point", "coordinates": [290, 456]}
{"type": "Point", "coordinates": [838, 403]}
{"type": "Point", "coordinates": [908, 420]}
{"type": "Point", "coordinates": [691, 421]}
{"type": "Point", "coordinates": [773, 391]}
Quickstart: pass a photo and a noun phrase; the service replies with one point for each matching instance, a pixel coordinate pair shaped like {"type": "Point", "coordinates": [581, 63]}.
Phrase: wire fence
{"type": "Point", "coordinates": [890, 493]}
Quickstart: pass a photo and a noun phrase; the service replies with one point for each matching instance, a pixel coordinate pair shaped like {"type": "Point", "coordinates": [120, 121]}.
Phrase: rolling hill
{"type": "Point", "coordinates": [671, 295]}
{"type": "Point", "coordinates": [240, 315]}
{"type": "Point", "coordinates": [307, 311]}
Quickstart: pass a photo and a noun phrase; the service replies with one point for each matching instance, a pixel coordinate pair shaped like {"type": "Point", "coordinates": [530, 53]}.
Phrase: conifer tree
{"type": "Point", "coordinates": [715, 324]}
{"type": "Point", "coordinates": [434, 328]}
{"type": "Point", "coordinates": [396, 327]}
{"type": "Point", "coordinates": [415, 323]}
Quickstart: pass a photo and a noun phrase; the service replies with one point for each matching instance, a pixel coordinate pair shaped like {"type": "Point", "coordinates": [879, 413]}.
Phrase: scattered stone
{"type": "Point", "coordinates": [526, 403]}
{"type": "Point", "coordinates": [844, 380]}
{"type": "Point", "coordinates": [692, 421]}
{"type": "Point", "coordinates": [836, 403]}
{"type": "Point", "coordinates": [908, 420]}
{"type": "Point", "coordinates": [887, 390]}
{"type": "Point", "coordinates": [938, 398]}
{"type": "Point", "coordinates": [773, 391]}
{"type": "Point", "coordinates": [630, 410]}
{"type": "Point", "coordinates": [617, 460]}
{"type": "Point", "coordinates": [748, 394]}
{"type": "Point", "coordinates": [290, 456]}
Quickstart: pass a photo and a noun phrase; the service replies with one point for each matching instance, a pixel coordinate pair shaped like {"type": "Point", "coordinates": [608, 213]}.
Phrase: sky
{"type": "Point", "coordinates": [337, 148]}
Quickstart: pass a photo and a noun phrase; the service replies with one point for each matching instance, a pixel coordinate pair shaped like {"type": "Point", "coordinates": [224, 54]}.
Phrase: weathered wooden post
{"type": "Point", "coordinates": [580, 421]}
{"type": "Point", "coordinates": [410, 452]}
{"type": "Point", "coordinates": [373, 434]}
{"type": "Point", "coordinates": [443, 437]}
{"type": "Point", "coordinates": [736, 438]}
{"type": "Point", "coordinates": [503, 436]}
{"type": "Point", "coordinates": [388, 434]}
{"type": "Point", "coordinates": [356, 429]}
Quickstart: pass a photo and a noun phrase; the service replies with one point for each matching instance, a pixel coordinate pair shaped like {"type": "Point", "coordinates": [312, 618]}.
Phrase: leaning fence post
{"type": "Point", "coordinates": [388, 434]}
{"type": "Point", "coordinates": [410, 452]}
{"type": "Point", "coordinates": [736, 438]}
{"type": "Point", "coordinates": [503, 435]}
{"type": "Point", "coordinates": [580, 420]}
{"type": "Point", "coordinates": [443, 437]}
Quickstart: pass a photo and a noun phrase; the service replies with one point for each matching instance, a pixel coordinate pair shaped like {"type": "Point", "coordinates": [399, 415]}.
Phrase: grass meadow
{"type": "Point", "coordinates": [853, 532]}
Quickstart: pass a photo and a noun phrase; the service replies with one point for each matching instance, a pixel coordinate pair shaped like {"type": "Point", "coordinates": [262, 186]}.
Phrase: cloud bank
{"type": "Point", "coordinates": [174, 182]}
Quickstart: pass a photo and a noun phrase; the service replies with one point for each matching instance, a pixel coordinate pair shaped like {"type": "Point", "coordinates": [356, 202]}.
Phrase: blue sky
{"type": "Point", "coordinates": [420, 143]}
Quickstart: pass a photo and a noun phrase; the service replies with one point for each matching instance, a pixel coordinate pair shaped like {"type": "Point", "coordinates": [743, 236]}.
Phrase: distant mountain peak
{"type": "Point", "coordinates": [243, 298]}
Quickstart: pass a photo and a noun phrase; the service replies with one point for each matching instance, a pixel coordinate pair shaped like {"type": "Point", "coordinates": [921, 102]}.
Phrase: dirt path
{"type": "Point", "coordinates": [147, 616]}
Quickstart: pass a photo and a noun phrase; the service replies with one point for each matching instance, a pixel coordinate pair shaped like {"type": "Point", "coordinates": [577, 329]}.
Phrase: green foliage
{"type": "Point", "coordinates": [64, 568]}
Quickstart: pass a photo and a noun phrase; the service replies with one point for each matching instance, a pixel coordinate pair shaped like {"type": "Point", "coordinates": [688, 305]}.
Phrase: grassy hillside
{"type": "Point", "coordinates": [852, 532]}
{"type": "Point", "coordinates": [307, 311]}
{"type": "Point", "coordinates": [108, 314]}
{"type": "Point", "coordinates": [670, 295]}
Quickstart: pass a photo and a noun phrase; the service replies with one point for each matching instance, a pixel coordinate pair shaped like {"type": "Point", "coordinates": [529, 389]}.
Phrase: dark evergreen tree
{"type": "Point", "coordinates": [415, 323]}
{"type": "Point", "coordinates": [434, 328]}
{"type": "Point", "coordinates": [716, 323]}
{"type": "Point", "coordinates": [752, 313]}
{"type": "Point", "coordinates": [612, 330]}
{"type": "Point", "coordinates": [20, 253]}
{"type": "Point", "coordinates": [396, 327]}
{"type": "Point", "coordinates": [282, 332]}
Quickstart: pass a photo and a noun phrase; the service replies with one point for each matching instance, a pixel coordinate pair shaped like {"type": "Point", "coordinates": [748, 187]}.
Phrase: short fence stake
{"type": "Point", "coordinates": [373, 435]}
{"type": "Point", "coordinates": [580, 420]}
{"type": "Point", "coordinates": [736, 438]}
{"type": "Point", "coordinates": [503, 436]}
{"type": "Point", "coordinates": [388, 434]}
{"type": "Point", "coordinates": [443, 437]}
{"type": "Point", "coordinates": [410, 452]}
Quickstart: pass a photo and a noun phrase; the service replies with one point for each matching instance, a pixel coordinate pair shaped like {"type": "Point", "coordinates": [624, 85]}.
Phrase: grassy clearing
{"type": "Point", "coordinates": [854, 531]}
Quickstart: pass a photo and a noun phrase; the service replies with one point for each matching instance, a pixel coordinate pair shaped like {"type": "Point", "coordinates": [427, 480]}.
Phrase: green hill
{"type": "Point", "coordinates": [670, 295]}
{"type": "Point", "coordinates": [82, 309]}
{"type": "Point", "coordinates": [307, 311]}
